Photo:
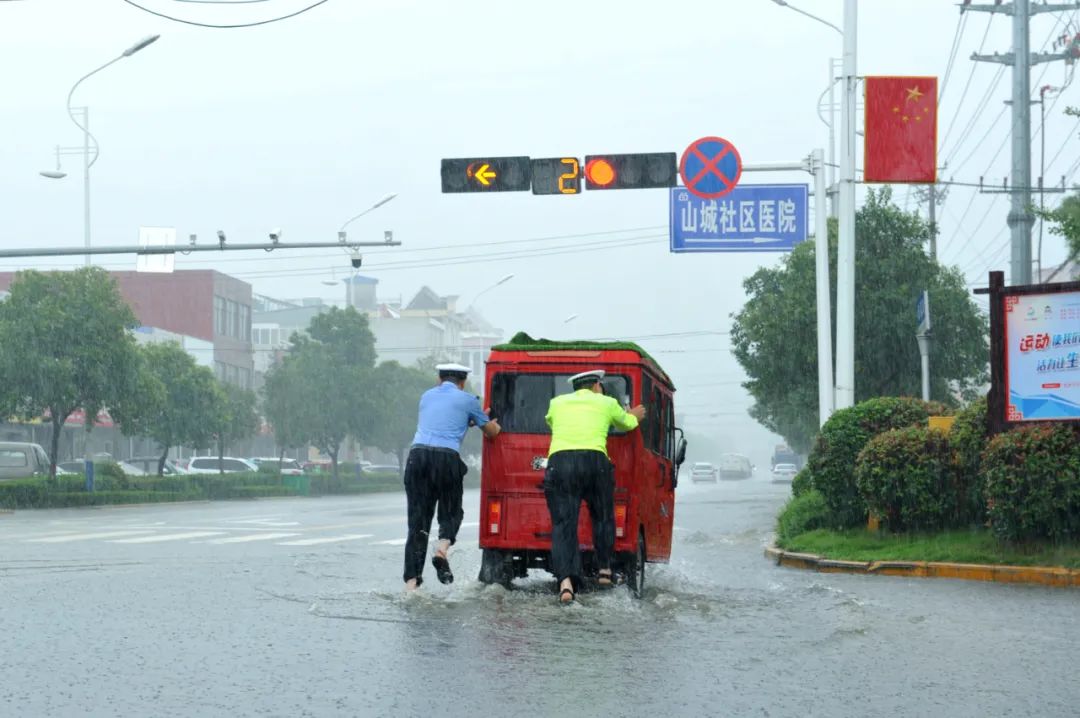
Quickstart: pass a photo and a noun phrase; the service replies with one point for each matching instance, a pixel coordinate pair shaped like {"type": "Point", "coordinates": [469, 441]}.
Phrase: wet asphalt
{"type": "Point", "coordinates": [293, 608]}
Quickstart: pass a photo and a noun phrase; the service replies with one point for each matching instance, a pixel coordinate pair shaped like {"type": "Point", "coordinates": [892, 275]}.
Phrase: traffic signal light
{"type": "Point", "coordinates": [556, 175]}
{"type": "Point", "coordinates": [486, 174]}
{"type": "Point", "coordinates": [633, 171]}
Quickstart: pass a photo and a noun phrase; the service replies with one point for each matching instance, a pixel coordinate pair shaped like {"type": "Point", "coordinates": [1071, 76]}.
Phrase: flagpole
{"type": "Point", "coordinates": [845, 271]}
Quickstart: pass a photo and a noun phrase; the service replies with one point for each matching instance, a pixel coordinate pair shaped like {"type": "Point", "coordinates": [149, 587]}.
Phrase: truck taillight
{"type": "Point", "coordinates": [494, 514]}
{"type": "Point", "coordinates": [620, 520]}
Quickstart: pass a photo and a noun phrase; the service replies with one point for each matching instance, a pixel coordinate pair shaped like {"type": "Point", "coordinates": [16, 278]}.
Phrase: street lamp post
{"type": "Point", "coordinates": [845, 270]}
{"type": "Point", "coordinates": [499, 283]}
{"type": "Point", "coordinates": [355, 259]}
{"type": "Point", "coordinates": [88, 160]}
{"type": "Point", "coordinates": [386, 198]}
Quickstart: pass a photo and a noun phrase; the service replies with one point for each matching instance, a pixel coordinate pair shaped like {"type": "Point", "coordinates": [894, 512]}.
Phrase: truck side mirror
{"type": "Point", "coordinates": [680, 453]}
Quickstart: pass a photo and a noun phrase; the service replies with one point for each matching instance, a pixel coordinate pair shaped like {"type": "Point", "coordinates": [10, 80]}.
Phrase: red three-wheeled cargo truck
{"type": "Point", "coordinates": [515, 527]}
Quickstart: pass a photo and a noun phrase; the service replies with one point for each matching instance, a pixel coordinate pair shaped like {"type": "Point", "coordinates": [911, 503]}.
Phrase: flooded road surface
{"type": "Point", "coordinates": [294, 608]}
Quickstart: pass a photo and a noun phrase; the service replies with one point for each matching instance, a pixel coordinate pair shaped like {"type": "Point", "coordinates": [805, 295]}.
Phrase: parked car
{"type": "Point", "coordinates": [704, 471]}
{"type": "Point", "coordinates": [149, 465]}
{"type": "Point", "coordinates": [77, 467]}
{"type": "Point", "coordinates": [380, 469]}
{"type": "Point", "coordinates": [289, 467]}
{"type": "Point", "coordinates": [20, 460]}
{"type": "Point", "coordinates": [228, 464]}
{"type": "Point", "coordinates": [784, 473]}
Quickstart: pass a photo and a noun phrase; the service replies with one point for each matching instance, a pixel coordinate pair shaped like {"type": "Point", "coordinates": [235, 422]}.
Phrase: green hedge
{"type": "Point", "coordinates": [111, 487]}
{"type": "Point", "coordinates": [800, 514]}
{"type": "Point", "coordinates": [905, 478]}
{"type": "Point", "coordinates": [968, 438]}
{"type": "Point", "coordinates": [801, 483]}
{"type": "Point", "coordinates": [1033, 483]}
{"type": "Point", "coordinates": [831, 464]}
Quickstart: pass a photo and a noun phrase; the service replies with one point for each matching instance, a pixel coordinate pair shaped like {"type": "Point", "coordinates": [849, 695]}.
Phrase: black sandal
{"type": "Point", "coordinates": [442, 568]}
{"type": "Point", "coordinates": [563, 593]}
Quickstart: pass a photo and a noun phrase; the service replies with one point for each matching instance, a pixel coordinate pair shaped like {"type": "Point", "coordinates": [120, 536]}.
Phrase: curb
{"type": "Point", "coordinates": [1037, 575]}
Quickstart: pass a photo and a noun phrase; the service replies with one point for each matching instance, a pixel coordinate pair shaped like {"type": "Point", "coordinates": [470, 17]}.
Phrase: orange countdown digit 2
{"type": "Point", "coordinates": [571, 176]}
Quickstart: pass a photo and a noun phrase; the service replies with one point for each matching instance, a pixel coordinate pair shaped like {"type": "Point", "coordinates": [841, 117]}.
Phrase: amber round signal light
{"type": "Point", "coordinates": [600, 172]}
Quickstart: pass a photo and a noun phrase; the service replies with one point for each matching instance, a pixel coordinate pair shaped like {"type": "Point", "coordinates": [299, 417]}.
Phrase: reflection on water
{"type": "Point", "coordinates": [719, 631]}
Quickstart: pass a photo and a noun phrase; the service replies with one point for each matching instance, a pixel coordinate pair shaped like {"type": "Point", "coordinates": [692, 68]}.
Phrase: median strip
{"type": "Point", "coordinates": [1038, 575]}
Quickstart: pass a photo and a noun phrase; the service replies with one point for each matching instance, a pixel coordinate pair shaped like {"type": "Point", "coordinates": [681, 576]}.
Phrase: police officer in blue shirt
{"type": "Point", "coordinates": [434, 471]}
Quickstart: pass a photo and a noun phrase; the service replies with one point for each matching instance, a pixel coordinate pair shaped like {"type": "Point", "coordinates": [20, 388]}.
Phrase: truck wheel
{"type": "Point", "coordinates": [635, 575]}
{"type": "Point", "coordinates": [496, 567]}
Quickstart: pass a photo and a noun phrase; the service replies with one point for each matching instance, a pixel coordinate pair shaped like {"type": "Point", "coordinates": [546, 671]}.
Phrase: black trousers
{"type": "Point", "coordinates": [433, 477]}
{"type": "Point", "coordinates": [573, 476]}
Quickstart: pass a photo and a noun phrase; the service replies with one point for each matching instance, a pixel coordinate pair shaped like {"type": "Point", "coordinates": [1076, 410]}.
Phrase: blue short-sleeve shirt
{"type": "Point", "coordinates": [445, 414]}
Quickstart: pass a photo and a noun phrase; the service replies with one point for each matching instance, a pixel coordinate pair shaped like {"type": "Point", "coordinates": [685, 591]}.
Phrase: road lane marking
{"type": "Point", "coordinates": [324, 540]}
{"type": "Point", "coordinates": [251, 537]}
{"type": "Point", "coordinates": [170, 537]}
{"type": "Point", "coordinates": [391, 542]}
{"type": "Point", "coordinates": [85, 537]}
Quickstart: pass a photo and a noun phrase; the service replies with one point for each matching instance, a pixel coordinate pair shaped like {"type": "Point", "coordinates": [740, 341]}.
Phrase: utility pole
{"type": "Point", "coordinates": [1020, 219]}
{"type": "Point", "coordinates": [932, 195]}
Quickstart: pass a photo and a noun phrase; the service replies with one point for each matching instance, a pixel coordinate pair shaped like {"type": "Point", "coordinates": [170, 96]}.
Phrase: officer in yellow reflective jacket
{"type": "Point", "coordinates": [578, 468]}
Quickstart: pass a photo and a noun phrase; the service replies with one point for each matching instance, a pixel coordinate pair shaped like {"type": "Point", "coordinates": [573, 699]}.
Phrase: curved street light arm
{"type": "Point", "coordinates": [72, 114]}
{"type": "Point", "coordinates": [809, 15]}
{"type": "Point", "coordinates": [372, 208]}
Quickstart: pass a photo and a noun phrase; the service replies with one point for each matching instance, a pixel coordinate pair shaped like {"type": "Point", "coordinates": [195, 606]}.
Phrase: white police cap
{"type": "Point", "coordinates": [453, 368]}
{"type": "Point", "coordinates": [598, 373]}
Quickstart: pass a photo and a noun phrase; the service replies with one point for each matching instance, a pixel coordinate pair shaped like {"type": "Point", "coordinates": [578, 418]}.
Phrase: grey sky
{"type": "Point", "coordinates": [303, 123]}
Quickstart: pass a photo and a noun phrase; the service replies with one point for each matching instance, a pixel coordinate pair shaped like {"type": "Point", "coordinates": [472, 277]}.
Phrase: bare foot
{"type": "Point", "coordinates": [566, 592]}
{"type": "Point", "coordinates": [603, 578]}
{"type": "Point", "coordinates": [411, 585]}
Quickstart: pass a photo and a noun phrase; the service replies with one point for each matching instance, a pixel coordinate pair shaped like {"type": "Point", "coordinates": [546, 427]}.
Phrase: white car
{"type": "Point", "coordinates": [289, 467]}
{"type": "Point", "coordinates": [704, 471]}
{"type": "Point", "coordinates": [784, 473]}
{"type": "Point", "coordinates": [229, 464]}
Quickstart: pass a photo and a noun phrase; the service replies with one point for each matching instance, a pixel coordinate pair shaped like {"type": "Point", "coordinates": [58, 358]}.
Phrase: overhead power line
{"type": "Point", "coordinates": [230, 26]}
{"type": "Point", "coordinates": [961, 25]}
{"type": "Point", "coordinates": [967, 85]}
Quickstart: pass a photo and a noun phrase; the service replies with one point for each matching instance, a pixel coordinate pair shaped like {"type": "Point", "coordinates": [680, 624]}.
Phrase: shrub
{"type": "Point", "coordinates": [832, 461]}
{"type": "Point", "coordinates": [23, 492]}
{"type": "Point", "coordinates": [938, 408]}
{"type": "Point", "coordinates": [905, 478]}
{"type": "Point", "coordinates": [801, 483]}
{"type": "Point", "coordinates": [968, 438]}
{"type": "Point", "coordinates": [1033, 483]}
{"type": "Point", "coordinates": [802, 513]}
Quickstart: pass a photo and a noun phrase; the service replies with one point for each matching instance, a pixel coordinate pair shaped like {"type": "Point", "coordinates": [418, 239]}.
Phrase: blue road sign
{"type": "Point", "coordinates": [752, 218]}
{"type": "Point", "coordinates": [921, 319]}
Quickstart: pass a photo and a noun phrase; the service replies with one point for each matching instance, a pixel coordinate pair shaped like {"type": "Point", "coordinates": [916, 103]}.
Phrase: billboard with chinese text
{"type": "Point", "coordinates": [1042, 356]}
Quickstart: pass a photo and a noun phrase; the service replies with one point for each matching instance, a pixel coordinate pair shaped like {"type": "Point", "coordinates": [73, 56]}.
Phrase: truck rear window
{"type": "Point", "coordinates": [13, 458]}
{"type": "Point", "coordinates": [520, 401]}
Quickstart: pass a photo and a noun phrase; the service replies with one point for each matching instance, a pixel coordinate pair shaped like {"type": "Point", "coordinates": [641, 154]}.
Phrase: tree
{"type": "Point", "coordinates": [65, 344]}
{"type": "Point", "coordinates": [399, 390]}
{"type": "Point", "coordinates": [775, 334]}
{"type": "Point", "coordinates": [322, 391]}
{"type": "Point", "coordinates": [237, 420]}
{"type": "Point", "coordinates": [1065, 219]}
{"type": "Point", "coordinates": [286, 405]}
{"type": "Point", "coordinates": [182, 410]}
{"type": "Point", "coordinates": [345, 334]}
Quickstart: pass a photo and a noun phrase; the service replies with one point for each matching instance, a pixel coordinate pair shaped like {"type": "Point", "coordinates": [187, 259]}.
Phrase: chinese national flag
{"type": "Point", "coordinates": [901, 130]}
